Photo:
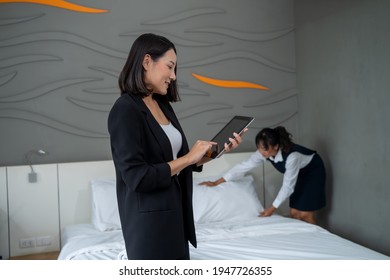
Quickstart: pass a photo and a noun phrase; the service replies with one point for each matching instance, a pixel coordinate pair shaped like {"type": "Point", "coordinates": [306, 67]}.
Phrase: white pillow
{"type": "Point", "coordinates": [105, 214]}
{"type": "Point", "coordinates": [229, 201]}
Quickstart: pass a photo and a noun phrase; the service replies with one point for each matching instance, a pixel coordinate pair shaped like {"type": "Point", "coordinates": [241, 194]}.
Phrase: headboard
{"type": "Point", "coordinates": [74, 189]}
{"type": "Point", "coordinates": [37, 212]}
{"type": "Point", "coordinates": [74, 183]}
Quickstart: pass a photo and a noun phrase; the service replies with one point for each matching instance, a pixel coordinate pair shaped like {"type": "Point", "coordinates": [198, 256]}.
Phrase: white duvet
{"type": "Point", "coordinates": [84, 242]}
{"type": "Point", "coordinates": [275, 237]}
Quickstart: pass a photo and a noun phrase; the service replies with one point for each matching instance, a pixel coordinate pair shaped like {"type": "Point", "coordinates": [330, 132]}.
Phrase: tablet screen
{"type": "Point", "coordinates": [237, 124]}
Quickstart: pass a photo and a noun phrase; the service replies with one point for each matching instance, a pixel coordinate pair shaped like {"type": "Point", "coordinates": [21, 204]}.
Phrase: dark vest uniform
{"type": "Point", "coordinates": [309, 191]}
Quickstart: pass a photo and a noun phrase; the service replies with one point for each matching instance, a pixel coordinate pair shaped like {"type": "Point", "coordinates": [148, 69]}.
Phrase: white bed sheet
{"type": "Point", "coordinates": [275, 238]}
{"type": "Point", "coordinates": [85, 242]}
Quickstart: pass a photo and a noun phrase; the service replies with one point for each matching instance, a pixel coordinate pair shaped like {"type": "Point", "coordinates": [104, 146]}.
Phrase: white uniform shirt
{"type": "Point", "coordinates": [294, 162]}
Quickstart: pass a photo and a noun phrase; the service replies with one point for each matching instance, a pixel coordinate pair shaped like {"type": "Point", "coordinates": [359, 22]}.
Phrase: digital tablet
{"type": "Point", "coordinates": [236, 124]}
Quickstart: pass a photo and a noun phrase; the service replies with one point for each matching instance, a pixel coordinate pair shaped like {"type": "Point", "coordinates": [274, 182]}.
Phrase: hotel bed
{"type": "Point", "coordinates": [226, 219]}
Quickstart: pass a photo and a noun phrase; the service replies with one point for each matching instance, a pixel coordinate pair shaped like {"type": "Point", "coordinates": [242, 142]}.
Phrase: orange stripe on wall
{"type": "Point", "coordinates": [228, 83]}
{"type": "Point", "coordinates": [59, 4]}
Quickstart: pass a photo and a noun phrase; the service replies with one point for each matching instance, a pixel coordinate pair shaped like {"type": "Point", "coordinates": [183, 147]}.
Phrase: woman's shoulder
{"type": "Point", "coordinates": [126, 104]}
{"type": "Point", "coordinates": [125, 97]}
{"type": "Point", "coordinates": [126, 100]}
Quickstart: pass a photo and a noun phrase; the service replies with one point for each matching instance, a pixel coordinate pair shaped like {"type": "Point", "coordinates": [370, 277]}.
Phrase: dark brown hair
{"type": "Point", "coordinates": [274, 136]}
{"type": "Point", "coordinates": [131, 78]}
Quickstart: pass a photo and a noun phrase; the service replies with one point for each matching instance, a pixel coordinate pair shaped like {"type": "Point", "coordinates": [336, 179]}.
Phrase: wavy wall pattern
{"type": "Point", "coordinates": [23, 59]}
{"type": "Point", "coordinates": [7, 78]}
{"type": "Point", "coordinates": [184, 15]}
{"type": "Point", "coordinates": [59, 4]}
{"type": "Point", "coordinates": [179, 41]}
{"type": "Point", "coordinates": [16, 20]}
{"type": "Point", "coordinates": [242, 35]}
{"type": "Point", "coordinates": [39, 92]}
{"type": "Point", "coordinates": [49, 122]}
{"type": "Point", "coordinates": [89, 105]}
{"type": "Point", "coordinates": [238, 55]}
{"type": "Point", "coordinates": [58, 76]}
{"type": "Point", "coordinates": [67, 37]}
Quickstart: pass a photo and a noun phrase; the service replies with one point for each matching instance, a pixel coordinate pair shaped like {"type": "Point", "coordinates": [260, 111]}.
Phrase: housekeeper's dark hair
{"type": "Point", "coordinates": [131, 78]}
{"type": "Point", "coordinates": [269, 137]}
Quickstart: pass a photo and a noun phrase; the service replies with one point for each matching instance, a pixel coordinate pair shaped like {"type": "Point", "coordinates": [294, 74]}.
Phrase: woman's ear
{"type": "Point", "coordinates": [146, 62]}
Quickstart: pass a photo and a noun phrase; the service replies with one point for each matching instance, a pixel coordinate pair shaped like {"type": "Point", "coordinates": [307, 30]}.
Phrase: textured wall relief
{"type": "Point", "coordinates": [59, 4]}
{"type": "Point", "coordinates": [60, 61]}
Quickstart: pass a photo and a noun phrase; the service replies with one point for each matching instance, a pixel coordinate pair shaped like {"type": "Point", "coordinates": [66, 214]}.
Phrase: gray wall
{"type": "Point", "coordinates": [59, 69]}
{"type": "Point", "coordinates": [343, 80]}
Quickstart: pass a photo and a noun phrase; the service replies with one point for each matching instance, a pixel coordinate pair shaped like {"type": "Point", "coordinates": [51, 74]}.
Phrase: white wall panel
{"type": "Point", "coordinates": [4, 245]}
{"type": "Point", "coordinates": [75, 194]}
{"type": "Point", "coordinates": [33, 209]}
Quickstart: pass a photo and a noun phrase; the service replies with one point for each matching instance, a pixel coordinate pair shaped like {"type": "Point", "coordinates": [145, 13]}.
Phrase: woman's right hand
{"type": "Point", "coordinates": [213, 183]}
{"type": "Point", "coordinates": [193, 156]}
{"type": "Point", "coordinates": [198, 150]}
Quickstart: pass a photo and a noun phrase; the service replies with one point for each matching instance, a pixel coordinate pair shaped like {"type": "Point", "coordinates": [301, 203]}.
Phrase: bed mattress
{"type": "Point", "coordinates": [272, 238]}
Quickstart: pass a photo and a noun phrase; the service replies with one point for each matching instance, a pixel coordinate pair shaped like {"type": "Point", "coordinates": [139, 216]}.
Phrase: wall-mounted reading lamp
{"type": "Point", "coordinates": [32, 176]}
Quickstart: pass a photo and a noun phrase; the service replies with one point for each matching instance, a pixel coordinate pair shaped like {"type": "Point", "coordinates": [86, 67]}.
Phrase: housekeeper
{"type": "Point", "coordinates": [303, 173]}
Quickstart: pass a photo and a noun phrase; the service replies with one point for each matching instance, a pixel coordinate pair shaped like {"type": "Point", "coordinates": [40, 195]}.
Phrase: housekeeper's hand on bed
{"type": "Point", "coordinates": [213, 183]}
{"type": "Point", "coordinates": [267, 212]}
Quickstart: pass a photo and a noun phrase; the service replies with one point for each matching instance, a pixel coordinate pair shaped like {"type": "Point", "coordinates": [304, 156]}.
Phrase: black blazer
{"type": "Point", "coordinates": [155, 208]}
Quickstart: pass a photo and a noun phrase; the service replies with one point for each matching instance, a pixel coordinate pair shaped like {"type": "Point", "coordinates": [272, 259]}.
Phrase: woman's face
{"type": "Point", "coordinates": [160, 73]}
{"type": "Point", "coordinates": [270, 152]}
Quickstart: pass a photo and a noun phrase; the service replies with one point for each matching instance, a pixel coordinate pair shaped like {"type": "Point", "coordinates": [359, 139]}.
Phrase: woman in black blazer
{"type": "Point", "coordinates": [152, 159]}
